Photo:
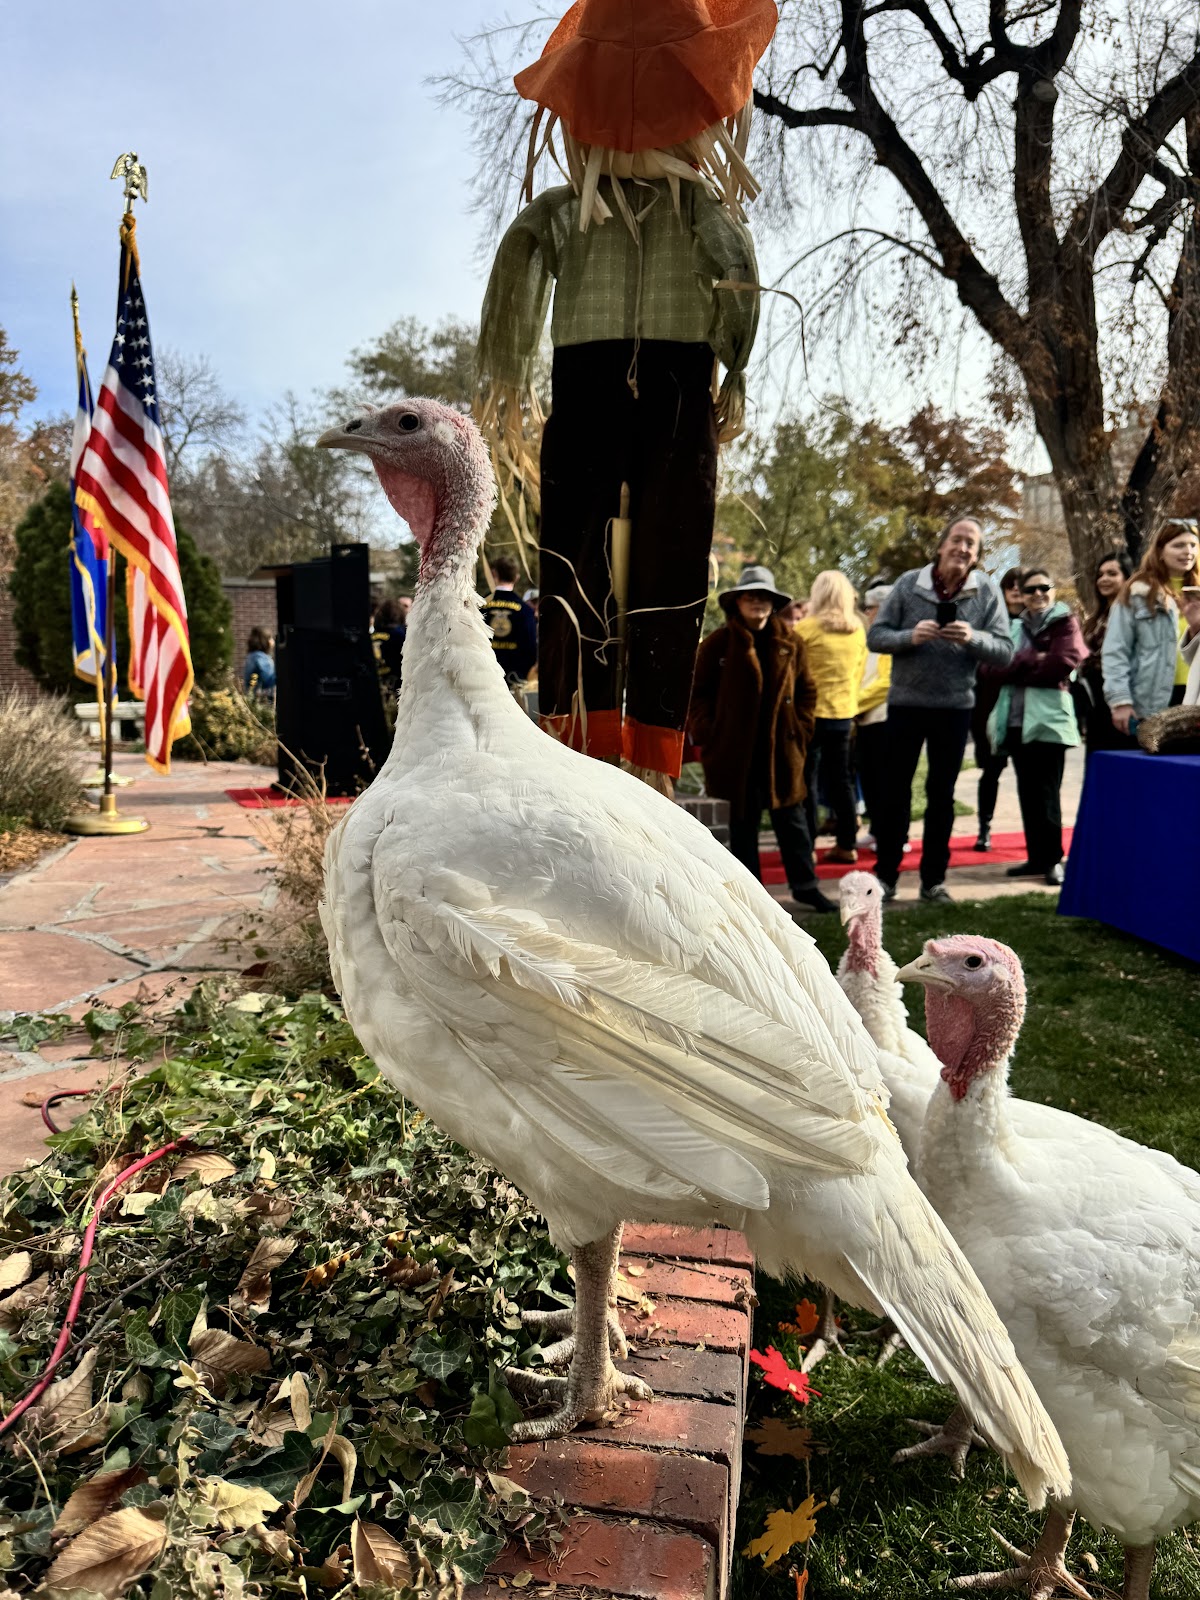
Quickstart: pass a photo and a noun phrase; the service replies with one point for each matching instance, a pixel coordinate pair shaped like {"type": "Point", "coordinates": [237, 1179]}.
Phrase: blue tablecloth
{"type": "Point", "coordinates": [1134, 859]}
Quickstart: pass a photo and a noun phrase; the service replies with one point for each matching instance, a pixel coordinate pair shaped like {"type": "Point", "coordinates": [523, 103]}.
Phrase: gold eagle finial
{"type": "Point", "coordinates": [134, 173]}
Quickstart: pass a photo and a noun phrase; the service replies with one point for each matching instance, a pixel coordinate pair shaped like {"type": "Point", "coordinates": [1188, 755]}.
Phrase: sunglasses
{"type": "Point", "coordinates": [1037, 588]}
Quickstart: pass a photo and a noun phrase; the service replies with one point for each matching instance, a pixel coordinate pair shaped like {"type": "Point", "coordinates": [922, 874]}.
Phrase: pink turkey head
{"type": "Point", "coordinates": [974, 1004]}
{"type": "Point", "coordinates": [433, 467]}
{"type": "Point", "coordinates": [860, 899]}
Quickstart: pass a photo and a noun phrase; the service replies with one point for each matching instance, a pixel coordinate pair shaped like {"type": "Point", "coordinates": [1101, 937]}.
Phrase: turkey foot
{"type": "Point", "coordinates": [593, 1385]}
{"type": "Point", "coordinates": [828, 1338]}
{"type": "Point", "coordinates": [564, 1322]}
{"type": "Point", "coordinates": [953, 1439]}
{"type": "Point", "coordinates": [1042, 1570]}
{"type": "Point", "coordinates": [889, 1338]}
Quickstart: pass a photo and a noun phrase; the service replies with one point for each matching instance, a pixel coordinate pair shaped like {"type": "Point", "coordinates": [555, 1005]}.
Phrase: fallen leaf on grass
{"type": "Point", "coordinates": [779, 1375]}
{"type": "Point", "coordinates": [317, 1277]}
{"type": "Point", "coordinates": [807, 1320]}
{"type": "Point", "coordinates": [378, 1558]}
{"type": "Point", "coordinates": [253, 1292]}
{"type": "Point", "coordinates": [238, 1505]}
{"type": "Point", "coordinates": [93, 1498]}
{"type": "Point", "coordinates": [801, 1584]}
{"type": "Point", "coordinates": [783, 1530]}
{"type": "Point", "coordinates": [106, 1558]}
{"type": "Point", "coordinates": [206, 1165]}
{"type": "Point", "coordinates": [15, 1269]}
{"type": "Point", "coordinates": [775, 1437]}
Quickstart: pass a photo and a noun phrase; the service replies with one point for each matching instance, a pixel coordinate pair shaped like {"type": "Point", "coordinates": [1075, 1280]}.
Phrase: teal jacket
{"type": "Point", "coordinates": [1042, 667]}
{"type": "Point", "coordinates": [1141, 647]}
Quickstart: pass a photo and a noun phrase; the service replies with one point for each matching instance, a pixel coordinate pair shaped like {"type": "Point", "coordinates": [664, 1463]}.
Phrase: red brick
{"type": "Point", "coordinates": [643, 1562]}
{"type": "Point", "coordinates": [664, 1423]}
{"type": "Point", "coordinates": [697, 1374]}
{"type": "Point", "coordinates": [701, 1280]}
{"type": "Point", "coordinates": [687, 1490]}
{"type": "Point", "coordinates": [688, 1244]}
{"type": "Point", "coordinates": [690, 1322]}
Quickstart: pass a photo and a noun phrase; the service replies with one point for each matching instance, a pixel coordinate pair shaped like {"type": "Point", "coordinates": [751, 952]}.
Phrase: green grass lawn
{"type": "Point", "coordinates": [1110, 1035]}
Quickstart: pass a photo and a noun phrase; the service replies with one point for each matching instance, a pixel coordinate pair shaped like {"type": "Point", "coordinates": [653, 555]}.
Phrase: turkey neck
{"type": "Point", "coordinates": [452, 692]}
{"type": "Point", "coordinates": [962, 1140]}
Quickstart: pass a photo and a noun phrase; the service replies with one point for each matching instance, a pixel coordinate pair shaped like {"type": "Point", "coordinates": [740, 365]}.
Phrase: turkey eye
{"type": "Point", "coordinates": [973, 961]}
{"type": "Point", "coordinates": [409, 422]}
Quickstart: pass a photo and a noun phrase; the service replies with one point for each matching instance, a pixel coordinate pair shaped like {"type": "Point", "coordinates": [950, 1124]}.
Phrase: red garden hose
{"type": "Point", "coordinates": [85, 1256]}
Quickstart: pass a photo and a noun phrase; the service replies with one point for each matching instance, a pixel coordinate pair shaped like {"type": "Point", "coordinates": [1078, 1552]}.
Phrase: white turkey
{"type": "Point", "coordinates": [1089, 1245]}
{"type": "Point", "coordinates": [867, 975]}
{"type": "Point", "coordinates": [573, 978]}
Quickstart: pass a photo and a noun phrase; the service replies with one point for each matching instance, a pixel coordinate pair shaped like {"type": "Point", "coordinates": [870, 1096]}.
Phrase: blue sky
{"type": "Point", "coordinates": [306, 190]}
{"type": "Point", "coordinates": [305, 187]}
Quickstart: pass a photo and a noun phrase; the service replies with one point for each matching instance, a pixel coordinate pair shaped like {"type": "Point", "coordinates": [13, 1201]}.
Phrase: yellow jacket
{"type": "Point", "coordinates": [835, 664]}
{"type": "Point", "coordinates": [872, 695]}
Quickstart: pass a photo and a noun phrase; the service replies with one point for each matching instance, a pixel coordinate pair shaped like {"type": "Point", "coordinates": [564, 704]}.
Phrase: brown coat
{"type": "Point", "coordinates": [726, 694]}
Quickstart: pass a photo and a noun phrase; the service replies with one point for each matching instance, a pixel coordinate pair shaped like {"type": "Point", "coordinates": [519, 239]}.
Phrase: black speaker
{"type": "Point", "coordinates": [328, 708]}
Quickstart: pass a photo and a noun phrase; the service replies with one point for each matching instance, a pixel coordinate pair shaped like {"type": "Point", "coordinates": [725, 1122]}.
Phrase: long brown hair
{"type": "Point", "coordinates": [1153, 569]}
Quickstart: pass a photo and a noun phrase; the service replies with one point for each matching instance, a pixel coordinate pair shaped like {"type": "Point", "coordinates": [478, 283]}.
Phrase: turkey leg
{"type": "Point", "coordinates": [827, 1338]}
{"type": "Point", "coordinates": [1139, 1563]}
{"type": "Point", "coordinates": [1042, 1571]}
{"type": "Point", "coordinates": [564, 1322]}
{"type": "Point", "coordinates": [953, 1439]}
{"type": "Point", "coordinates": [593, 1384]}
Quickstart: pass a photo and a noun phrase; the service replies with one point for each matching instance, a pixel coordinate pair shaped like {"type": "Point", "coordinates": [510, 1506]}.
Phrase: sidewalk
{"type": "Point", "coordinates": [107, 920]}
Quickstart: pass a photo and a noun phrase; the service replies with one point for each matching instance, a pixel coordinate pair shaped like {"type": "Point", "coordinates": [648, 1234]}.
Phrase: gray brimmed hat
{"type": "Point", "coordinates": [878, 594]}
{"type": "Point", "coordinates": [754, 580]}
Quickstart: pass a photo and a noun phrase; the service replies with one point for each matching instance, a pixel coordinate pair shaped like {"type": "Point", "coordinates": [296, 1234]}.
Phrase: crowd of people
{"type": "Point", "coordinates": [798, 699]}
{"type": "Point", "coordinates": [844, 702]}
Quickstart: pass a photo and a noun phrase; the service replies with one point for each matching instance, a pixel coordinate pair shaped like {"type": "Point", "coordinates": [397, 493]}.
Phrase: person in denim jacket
{"type": "Point", "coordinates": [1154, 628]}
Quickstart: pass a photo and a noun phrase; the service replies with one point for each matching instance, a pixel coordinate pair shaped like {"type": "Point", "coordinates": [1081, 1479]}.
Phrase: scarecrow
{"type": "Point", "coordinates": [645, 110]}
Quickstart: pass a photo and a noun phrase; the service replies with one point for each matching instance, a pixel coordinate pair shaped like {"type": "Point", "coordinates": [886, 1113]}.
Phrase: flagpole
{"type": "Point", "coordinates": [108, 820]}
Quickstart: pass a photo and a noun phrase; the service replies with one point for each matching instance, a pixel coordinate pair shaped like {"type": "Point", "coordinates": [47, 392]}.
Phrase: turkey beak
{"type": "Point", "coordinates": [923, 970]}
{"type": "Point", "coordinates": [850, 908]}
{"type": "Point", "coordinates": [352, 435]}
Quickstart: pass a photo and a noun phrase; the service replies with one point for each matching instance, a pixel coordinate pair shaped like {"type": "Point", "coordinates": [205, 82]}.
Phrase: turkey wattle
{"type": "Point", "coordinates": [573, 978]}
{"type": "Point", "coordinates": [1089, 1245]}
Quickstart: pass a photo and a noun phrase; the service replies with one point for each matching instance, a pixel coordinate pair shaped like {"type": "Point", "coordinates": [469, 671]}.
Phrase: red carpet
{"type": "Point", "coordinates": [1007, 849]}
{"type": "Point", "coordinates": [268, 799]}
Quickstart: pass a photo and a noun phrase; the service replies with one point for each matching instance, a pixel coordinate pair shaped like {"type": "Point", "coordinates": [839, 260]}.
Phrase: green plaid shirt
{"type": "Point", "coordinates": [608, 285]}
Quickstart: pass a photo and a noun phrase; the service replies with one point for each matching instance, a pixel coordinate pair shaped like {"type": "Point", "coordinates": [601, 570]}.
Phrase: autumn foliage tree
{"type": "Point", "coordinates": [835, 490]}
{"type": "Point", "coordinates": [1044, 164]}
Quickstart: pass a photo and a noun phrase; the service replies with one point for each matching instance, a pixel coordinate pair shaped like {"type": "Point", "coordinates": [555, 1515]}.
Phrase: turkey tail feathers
{"type": "Point", "coordinates": [913, 1270]}
{"type": "Point", "coordinates": [958, 1335]}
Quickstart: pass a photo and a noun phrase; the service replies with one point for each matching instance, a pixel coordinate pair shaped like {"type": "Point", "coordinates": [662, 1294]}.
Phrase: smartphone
{"type": "Point", "coordinates": [947, 611]}
{"type": "Point", "coordinates": [1190, 592]}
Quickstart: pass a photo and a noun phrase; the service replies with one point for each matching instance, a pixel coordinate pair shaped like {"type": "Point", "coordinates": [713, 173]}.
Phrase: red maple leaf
{"type": "Point", "coordinates": [776, 1372]}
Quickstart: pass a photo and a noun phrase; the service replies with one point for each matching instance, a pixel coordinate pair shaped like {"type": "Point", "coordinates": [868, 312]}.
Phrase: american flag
{"type": "Point", "coordinates": [121, 480]}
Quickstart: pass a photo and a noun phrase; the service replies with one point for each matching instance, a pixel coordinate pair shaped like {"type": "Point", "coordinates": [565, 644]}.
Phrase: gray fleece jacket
{"type": "Point", "coordinates": [937, 674]}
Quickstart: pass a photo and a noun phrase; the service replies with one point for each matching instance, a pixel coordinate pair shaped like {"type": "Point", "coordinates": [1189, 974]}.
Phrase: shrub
{"type": "Point", "coordinates": [40, 748]}
{"type": "Point", "coordinates": [228, 727]}
{"type": "Point", "coordinates": [289, 939]}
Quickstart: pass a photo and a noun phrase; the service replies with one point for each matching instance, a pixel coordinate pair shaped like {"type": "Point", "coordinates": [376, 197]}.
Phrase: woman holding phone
{"type": "Point", "coordinates": [1153, 631]}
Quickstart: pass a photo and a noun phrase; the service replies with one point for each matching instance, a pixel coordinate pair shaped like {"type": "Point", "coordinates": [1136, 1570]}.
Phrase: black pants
{"type": "Point", "coordinates": [990, 770]}
{"type": "Point", "coordinates": [1039, 769]}
{"type": "Point", "coordinates": [944, 736]}
{"type": "Point", "coordinates": [663, 443]}
{"type": "Point", "coordinates": [870, 760]}
{"type": "Point", "coordinates": [828, 765]}
{"type": "Point", "coordinates": [791, 830]}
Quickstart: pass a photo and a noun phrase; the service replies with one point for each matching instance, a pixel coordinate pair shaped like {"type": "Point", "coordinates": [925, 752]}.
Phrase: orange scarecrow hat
{"type": "Point", "coordinates": [649, 74]}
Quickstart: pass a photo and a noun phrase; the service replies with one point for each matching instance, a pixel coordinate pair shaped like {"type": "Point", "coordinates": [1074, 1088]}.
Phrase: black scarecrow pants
{"type": "Point", "coordinates": [640, 414]}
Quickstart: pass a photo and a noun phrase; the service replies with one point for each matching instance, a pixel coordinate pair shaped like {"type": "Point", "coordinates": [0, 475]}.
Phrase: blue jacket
{"type": "Point", "coordinates": [259, 670]}
{"type": "Point", "coordinates": [1141, 647]}
{"type": "Point", "coordinates": [938, 674]}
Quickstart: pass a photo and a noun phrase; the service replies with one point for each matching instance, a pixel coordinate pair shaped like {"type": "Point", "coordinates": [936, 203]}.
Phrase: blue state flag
{"type": "Point", "coordinates": [89, 552]}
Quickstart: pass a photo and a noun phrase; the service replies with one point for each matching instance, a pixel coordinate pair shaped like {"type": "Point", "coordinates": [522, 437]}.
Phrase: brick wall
{"type": "Point", "coordinates": [11, 675]}
{"type": "Point", "coordinates": [252, 601]}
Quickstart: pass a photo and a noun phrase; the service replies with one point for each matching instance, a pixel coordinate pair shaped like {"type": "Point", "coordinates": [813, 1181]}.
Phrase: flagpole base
{"type": "Point", "coordinates": [95, 780]}
{"type": "Point", "coordinates": [108, 820]}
